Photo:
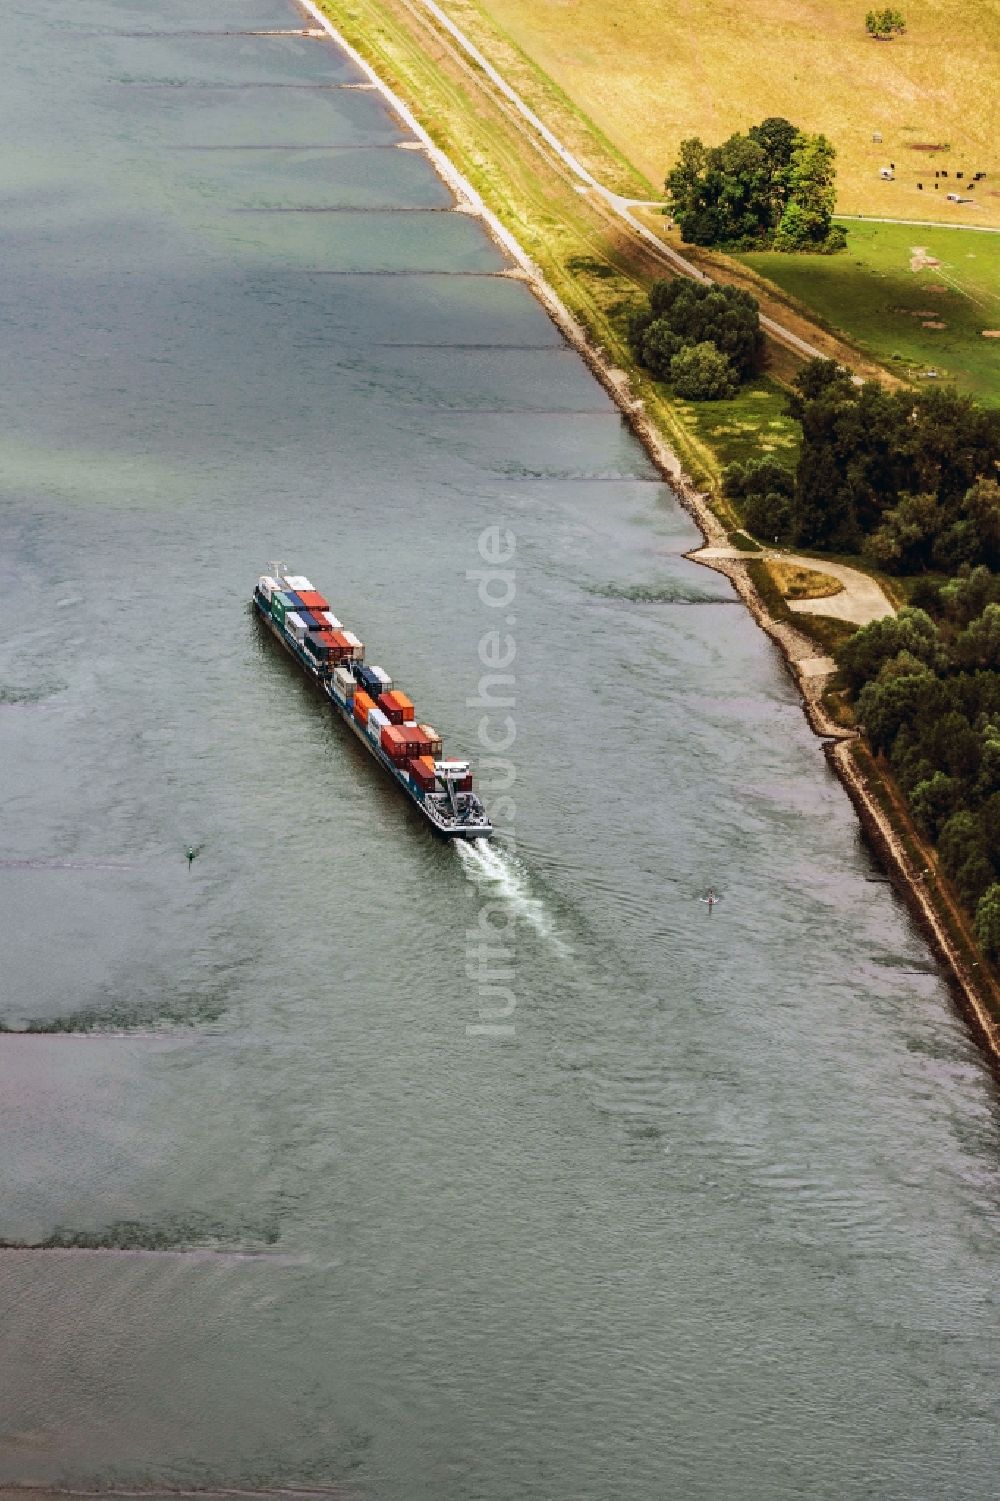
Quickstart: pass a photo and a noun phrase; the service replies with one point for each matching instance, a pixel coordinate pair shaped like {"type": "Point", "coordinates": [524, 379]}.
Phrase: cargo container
{"type": "Point", "coordinates": [432, 737]}
{"type": "Point", "coordinates": [313, 600]}
{"type": "Point", "coordinates": [317, 646]}
{"type": "Point", "coordinates": [395, 743]}
{"type": "Point", "coordinates": [421, 769]}
{"type": "Point", "coordinates": [405, 704]}
{"type": "Point", "coordinates": [392, 711]}
{"type": "Point", "coordinates": [406, 750]}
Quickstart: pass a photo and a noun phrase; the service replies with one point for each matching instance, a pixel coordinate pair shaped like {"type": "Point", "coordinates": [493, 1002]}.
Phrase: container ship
{"type": "Point", "coordinates": [382, 717]}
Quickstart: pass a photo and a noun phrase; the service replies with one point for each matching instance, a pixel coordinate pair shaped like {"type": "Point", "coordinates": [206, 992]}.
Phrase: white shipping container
{"type": "Point", "coordinates": [268, 586]}
{"type": "Point", "coordinates": [297, 581]}
{"type": "Point", "coordinates": [383, 678]}
{"type": "Point", "coordinates": [345, 682]}
{"type": "Point", "coordinates": [356, 644]}
{"type": "Point", "coordinates": [295, 625]}
{"type": "Point", "coordinates": [377, 720]}
{"type": "Point", "coordinates": [331, 620]}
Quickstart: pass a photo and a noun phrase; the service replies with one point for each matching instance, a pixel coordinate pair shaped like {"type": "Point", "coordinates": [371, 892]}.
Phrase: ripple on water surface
{"type": "Point", "coordinates": [719, 1219]}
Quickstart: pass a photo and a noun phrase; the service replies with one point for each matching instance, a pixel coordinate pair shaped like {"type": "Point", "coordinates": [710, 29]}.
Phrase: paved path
{"type": "Point", "coordinates": [978, 229]}
{"type": "Point", "coordinates": [860, 601]}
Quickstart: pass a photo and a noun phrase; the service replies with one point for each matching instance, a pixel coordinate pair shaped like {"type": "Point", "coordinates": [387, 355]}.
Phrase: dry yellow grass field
{"type": "Point", "coordinates": [795, 582]}
{"type": "Point", "coordinates": [653, 72]}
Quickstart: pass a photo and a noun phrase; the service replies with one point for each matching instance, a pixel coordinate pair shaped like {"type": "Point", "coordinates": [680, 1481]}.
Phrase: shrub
{"type": "Point", "coordinates": [988, 921]}
{"type": "Point", "coordinates": [701, 372]}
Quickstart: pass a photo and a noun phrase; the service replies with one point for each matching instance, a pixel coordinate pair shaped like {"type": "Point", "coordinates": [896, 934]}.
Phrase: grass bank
{"type": "Point", "coordinates": [595, 267]}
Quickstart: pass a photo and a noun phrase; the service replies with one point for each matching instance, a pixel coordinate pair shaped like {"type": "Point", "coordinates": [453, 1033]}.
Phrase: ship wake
{"type": "Point", "coordinates": [502, 877]}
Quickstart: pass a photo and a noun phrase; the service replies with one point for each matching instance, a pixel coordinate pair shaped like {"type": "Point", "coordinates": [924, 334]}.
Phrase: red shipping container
{"type": "Point", "coordinates": [340, 649]}
{"type": "Point", "coordinates": [421, 774]}
{"type": "Point", "coordinates": [392, 711]}
{"type": "Point", "coordinates": [402, 702]}
{"type": "Point", "coordinates": [465, 785]}
{"type": "Point", "coordinates": [418, 741]}
{"type": "Point", "coordinates": [314, 601]}
{"type": "Point", "coordinates": [394, 743]}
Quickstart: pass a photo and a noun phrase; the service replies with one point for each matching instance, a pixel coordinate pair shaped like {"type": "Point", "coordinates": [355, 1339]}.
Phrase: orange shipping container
{"type": "Point", "coordinates": [363, 705]}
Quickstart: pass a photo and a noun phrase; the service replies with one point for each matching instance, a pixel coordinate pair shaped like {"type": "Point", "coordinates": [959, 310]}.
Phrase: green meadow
{"type": "Point", "coordinates": [916, 299]}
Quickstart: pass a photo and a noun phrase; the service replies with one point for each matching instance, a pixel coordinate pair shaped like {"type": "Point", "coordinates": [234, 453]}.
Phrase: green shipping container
{"type": "Point", "coordinates": [280, 605]}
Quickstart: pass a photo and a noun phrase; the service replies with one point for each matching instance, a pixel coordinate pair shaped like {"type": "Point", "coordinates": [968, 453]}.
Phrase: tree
{"type": "Point", "coordinates": [885, 706]}
{"type": "Point", "coordinates": [764, 489]}
{"type": "Point", "coordinates": [659, 345]}
{"type": "Point", "coordinates": [988, 921]}
{"type": "Point", "coordinates": [865, 448]}
{"type": "Point", "coordinates": [682, 313]}
{"type": "Point", "coordinates": [773, 183]}
{"type": "Point", "coordinates": [934, 799]}
{"type": "Point", "coordinates": [902, 544]}
{"type": "Point", "coordinates": [967, 596]}
{"type": "Point", "coordinates": [884, 24]}
{"type": "Point", "coordinates": [862, 656]}
{"type": "Point", "coordinates": [698, 310]}
{"type": "Point", "coordinates": [811, 177]}
{"type": "Point", "coordinates": [979, 643]}
{"type": "Point", "coordinates": [982, 508]}
{"type": "Point", "coordinates": [964, 857]}
{"type": "Point", "coordinates": [758, 476]}
{"type": "Point", "coordinates": [701, 372]}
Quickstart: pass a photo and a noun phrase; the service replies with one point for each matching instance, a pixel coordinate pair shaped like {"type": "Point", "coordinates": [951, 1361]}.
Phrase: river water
{"type": "Point", "coordinates": [718, 1217]}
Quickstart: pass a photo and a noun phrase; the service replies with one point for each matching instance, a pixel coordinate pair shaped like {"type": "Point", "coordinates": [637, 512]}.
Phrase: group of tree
{"type": "Point", "coordinates": [909, 479]}
{"type": "Point", "coordinates": [701, 337]}
{"type": "Point", "coordinates": [913, 481]}
{"type": "Point", "coordinates": [883, 25]}
{"type": "Point", "coordinates": [927, 692]}
{"type": "Point", "coordinates": [773, 186]}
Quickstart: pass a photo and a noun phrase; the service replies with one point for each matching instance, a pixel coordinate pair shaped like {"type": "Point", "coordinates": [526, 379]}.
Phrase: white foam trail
{"type": "Point", "coordinates": [489, 864]}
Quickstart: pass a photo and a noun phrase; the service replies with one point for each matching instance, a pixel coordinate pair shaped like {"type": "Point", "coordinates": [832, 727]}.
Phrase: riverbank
{"type": "Point", "coordinates": [594, 269]}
